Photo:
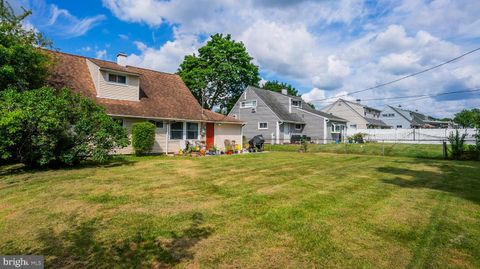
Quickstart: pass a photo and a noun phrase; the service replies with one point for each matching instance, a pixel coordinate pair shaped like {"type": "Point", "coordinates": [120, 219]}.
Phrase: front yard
{"type": "Point", "coordinates": [280, 209]}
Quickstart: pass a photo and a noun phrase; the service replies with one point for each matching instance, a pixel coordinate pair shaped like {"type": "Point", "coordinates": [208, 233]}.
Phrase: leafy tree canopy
{"type": "Point", "coordinates": [277, 86]}
{"type": "Point", "coordinates": [468, 118]}
{"type": "Point", "coordinates": [221, 71]}
{"type": "Point", "coordinates": [48, 127]}
{"type": "Point", "coordinates": [22, 65]}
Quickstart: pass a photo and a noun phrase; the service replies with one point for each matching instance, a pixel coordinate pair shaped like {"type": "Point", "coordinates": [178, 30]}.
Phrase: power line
{"type": "Point", "coordinates": [402, 78]}
{"type": "Point", "coordinates": [417, 97]}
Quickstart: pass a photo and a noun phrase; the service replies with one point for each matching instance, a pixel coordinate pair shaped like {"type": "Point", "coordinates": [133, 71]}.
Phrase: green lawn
{"type": "Point", "coordinates": [278, 209]}
{"type": "Point", "coordinates": [384, 149]}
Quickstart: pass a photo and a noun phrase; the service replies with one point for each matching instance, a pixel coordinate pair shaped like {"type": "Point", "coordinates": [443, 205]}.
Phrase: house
{"type": "Point", "coordinates": [132, 94]}
{"type": "Point", "coordinates": [404, 119]}
{"type": "Point", "coordinates": [359, 116]}
{"type": "Point", "coordinates": [278, 116]}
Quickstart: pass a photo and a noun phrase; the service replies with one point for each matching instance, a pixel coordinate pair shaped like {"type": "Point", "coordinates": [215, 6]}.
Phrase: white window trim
{"type": "Point", "coordinates": [242, 104]}
{"type": "Point", "coordinates": [176, 139]}
{"type": "Point", "coordinates": [298, 129]}
{"type": "Point", "coordinates": [259, 128]}
{"type": "Point", "coordinates": [300, 105]}
{"type": "Point", "coordinates": [198, 131]}
{"type": "Point", "coordinates": [116, 83]}
{"type": "Point", "coordinates": [163, 123]}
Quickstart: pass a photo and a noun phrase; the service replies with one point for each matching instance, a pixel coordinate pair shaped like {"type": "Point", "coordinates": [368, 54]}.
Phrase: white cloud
{"type": "Point", "coordinates": [314, 94]}
{"type": "Point", "coordinates": [331, 47]}
{"type": "Point", "coordinates": [101, 54]}
{"type": "Point", "coordinates": [70, 26]}
{"type": "Point", "coordinates": [166, 58]}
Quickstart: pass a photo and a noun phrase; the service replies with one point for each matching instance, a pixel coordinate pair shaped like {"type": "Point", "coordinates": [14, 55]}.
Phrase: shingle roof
{"type": "Point", "coordinates": [376, 122]}
{"type": "Point", "coordinates": [163, 95]}
{"type": "Point", "coordinates": [369, 107]}
{"type": "Point", "coordinates": [323, 114]}
{"type": "Point", "coordinates": [268, 97]}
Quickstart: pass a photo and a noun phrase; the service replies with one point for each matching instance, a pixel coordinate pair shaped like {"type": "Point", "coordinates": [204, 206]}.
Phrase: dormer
{"type": "Point", "coordinates": [114, 81]}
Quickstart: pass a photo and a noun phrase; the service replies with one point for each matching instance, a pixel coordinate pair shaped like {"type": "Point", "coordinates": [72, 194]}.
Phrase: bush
{"type": "Point", "coordinates": [303, 145]}
{"type": "Point", "coordinates": [457, 143]}
{"type": "Point", "coordinates": [48, 127]}
{"type": "Point", "coordinates": [143, 137]}
{"type": "Point", "coordinates": [357, 138]}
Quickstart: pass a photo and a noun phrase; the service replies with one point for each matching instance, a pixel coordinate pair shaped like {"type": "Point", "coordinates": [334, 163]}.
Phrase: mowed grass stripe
{"type": "Point", "coordinates": [268, 210]}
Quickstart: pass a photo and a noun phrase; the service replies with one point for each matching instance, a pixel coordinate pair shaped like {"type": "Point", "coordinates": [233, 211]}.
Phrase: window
{"type": "Point", "coordinates": [263, 125]}
{"type": "Point", "coordinates": [298, 127]}
{"type": "Point", "coordinates": [353, 126]}
{"type": "Point", "coordinates": [248, 104]}
{"type": "Point", "coordinates": [158, 124]}
{"type": "Point", "coordinates": [399, 126]}
{"type": "Point", "coordinates": [389, 115]}
{"type": "Point", "coordinates": [118, 121]}
{"type": "Point", "coordinates": [192, 130]}
{"type": "Point", "coordinates": [176, 130]}
{"type": "Point", "coordinates": [296, 103]}
{"type": "Point", "coordinates": [117, 78]}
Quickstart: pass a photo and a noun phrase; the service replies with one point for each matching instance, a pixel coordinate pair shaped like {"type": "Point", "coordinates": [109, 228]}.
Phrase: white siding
{"type": "Point", "coordinates": [129, 91]}
{"type": "Point", "coordinates": [232, 132]}
{"type": "Point", "coordinates": [160, 137]}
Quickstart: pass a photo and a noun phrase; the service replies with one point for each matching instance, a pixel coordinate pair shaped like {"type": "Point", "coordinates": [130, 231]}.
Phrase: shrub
{"type": "Point", "coordinates": [303, 145]}
{"type": "Point", "coordinates": [143, 137]}
{"type": "Point", "coordinates": [357, 138]}
{"type": "Point", "coordinates": [457, 143]}
{"type": "Point", "coordinates": [48, 127]}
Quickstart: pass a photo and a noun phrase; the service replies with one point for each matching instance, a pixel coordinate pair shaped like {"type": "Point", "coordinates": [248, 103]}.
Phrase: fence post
{"type": "Point", "coordinates": [444, 150]}
{"type": "Point", "coordinates": [383, 147]}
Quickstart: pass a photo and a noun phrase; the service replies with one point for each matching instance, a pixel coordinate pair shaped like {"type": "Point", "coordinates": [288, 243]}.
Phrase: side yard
{"type": "Point", "coordinates": [278, 209]}
{"type": "Point", "coordinates": [387, 149]}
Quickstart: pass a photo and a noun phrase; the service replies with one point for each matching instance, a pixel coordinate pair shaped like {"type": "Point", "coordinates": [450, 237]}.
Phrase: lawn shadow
{"type": "Point", "coordinates": [78, 247]}
{"type": "Point", "coordinates": [460, 179]}
{"type": "Point", "coordinates": [18, 169]}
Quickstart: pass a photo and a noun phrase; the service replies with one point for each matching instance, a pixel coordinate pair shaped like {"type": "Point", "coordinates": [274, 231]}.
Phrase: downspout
{"type": "Point", "coordinates": [166, 137]}
{"type": "Point", "coordinates": [325, 131]}
{"type": "Point", "coordinates": [277, 131]}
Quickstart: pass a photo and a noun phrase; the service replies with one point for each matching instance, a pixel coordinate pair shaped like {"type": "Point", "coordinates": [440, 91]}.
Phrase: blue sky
{"type": "Point", "coordinates": [323, 48]}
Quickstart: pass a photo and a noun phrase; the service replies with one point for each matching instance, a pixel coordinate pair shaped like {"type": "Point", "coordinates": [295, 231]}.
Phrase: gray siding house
{"type": "Point", "coordinates": [358, 116]}
{"type": "Point", "coordinates": [278, 116]}
{"type": "Point", "coordinates": [405, 119]}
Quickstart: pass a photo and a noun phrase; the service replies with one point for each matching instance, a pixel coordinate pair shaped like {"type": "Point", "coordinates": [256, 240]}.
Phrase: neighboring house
{"type": "Point", "coordinates": [278, 116]}
{"type": "Point", "coordinates": [358, 116]}
{"type": "Point", "coordinates": [404, 119]}
{"type": "Point", "coordinates": [131, 94]}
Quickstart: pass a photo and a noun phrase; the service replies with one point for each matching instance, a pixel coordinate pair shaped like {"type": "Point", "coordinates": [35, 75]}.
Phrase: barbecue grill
{"type": "Point", "coordinates": [256, 143]}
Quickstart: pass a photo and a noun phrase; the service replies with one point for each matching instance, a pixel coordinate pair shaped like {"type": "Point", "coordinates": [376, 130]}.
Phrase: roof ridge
{"type": "Point", "coordinates": [106, 61]}
{"type": "Point", "coordinates": [287, 95]}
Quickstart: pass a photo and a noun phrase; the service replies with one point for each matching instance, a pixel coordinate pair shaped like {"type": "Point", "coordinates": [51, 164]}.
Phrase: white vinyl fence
{"type": "Point", "coordinates": [420, 136]}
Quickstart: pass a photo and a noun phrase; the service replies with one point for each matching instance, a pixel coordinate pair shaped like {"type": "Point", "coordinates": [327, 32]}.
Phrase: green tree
{"type": "Point", "coordinates": [277, 86]}
{"type": "Point", "coordinates": [22, 65]}
{"type": "Point", "coordinates": [221, 72]}
{"type": "Point", "coordinates": [143, 137]}
{"type": "Point", "coordinates": [48, 127]}
{"type": "Point", "coordinates": [468, 118]}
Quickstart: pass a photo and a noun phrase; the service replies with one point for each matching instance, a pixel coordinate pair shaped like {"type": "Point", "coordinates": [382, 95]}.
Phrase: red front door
{"type": "Point", "coordinates": [210, 135]}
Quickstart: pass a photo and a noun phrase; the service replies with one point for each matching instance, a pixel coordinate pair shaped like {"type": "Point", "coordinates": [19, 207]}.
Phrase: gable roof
{"type": "Point", "coordinates": [369, 121]}
{"type": "Point", "coordinates": [417, 119]}
{"type": "Point", "coordinates": [162, 95]}
{"type": "Point", "coordinates": [358, 104]}
{"type": "Point", "coordinates": [323, 114]}
{"type": "Point", "coordinates": [268, 97]}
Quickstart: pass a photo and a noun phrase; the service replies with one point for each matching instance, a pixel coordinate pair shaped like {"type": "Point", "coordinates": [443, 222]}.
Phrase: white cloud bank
{"type": "Point", "coordinates": [328, 46]}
